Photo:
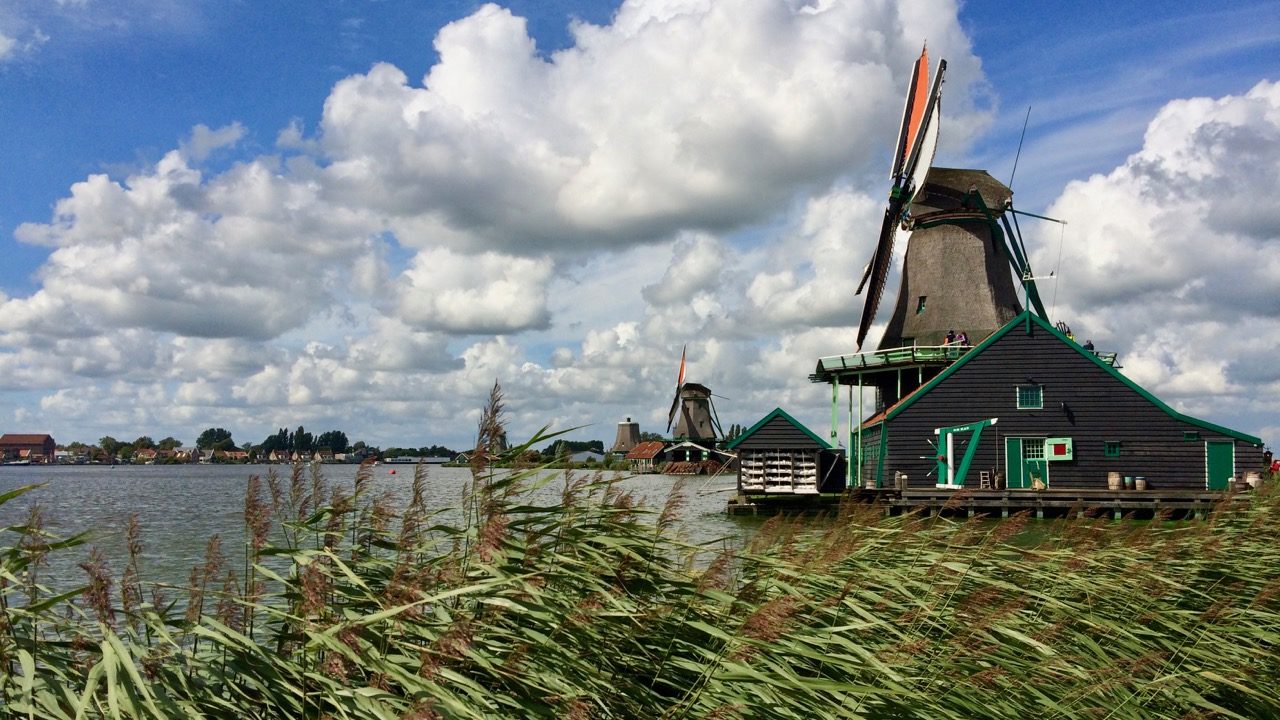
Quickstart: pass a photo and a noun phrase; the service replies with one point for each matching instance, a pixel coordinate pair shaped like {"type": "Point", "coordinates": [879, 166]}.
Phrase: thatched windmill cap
{"type": "Point", "coordinates": [945, 190]}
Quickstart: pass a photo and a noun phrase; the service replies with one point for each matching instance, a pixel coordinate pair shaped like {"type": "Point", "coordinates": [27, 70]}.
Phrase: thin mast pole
{"type": "Point", "coordinates": [1025, 120]}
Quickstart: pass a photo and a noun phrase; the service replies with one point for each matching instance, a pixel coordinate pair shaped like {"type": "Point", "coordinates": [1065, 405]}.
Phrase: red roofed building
{"type": "Point", "coordinates": [644, 457]}
{"type": "Point", "coordinates": [15, 447]}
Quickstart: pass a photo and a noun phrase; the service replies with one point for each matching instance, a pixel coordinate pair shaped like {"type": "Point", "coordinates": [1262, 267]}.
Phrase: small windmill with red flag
{"type": "Point", "coordinates": [692, 412]}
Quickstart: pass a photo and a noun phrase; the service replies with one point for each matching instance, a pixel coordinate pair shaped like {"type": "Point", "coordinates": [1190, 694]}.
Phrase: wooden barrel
{"type": "Point", "coordinates": [1128, 482]}
{"type": "Point", "coordinates": [1139, 483]}
{"type": "Point", "coordinates": [1113, 481]}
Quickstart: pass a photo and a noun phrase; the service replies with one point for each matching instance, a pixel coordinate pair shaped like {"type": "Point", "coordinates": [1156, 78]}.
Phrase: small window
{"type": "Point", "coordinates": [1111, 448]}
{"type": "Point", "coordinates": [1190, 435]}
{"type": "Point", "coordinates": [1030, 397]}
{"type": "Point", "coordinates": [920, 305]}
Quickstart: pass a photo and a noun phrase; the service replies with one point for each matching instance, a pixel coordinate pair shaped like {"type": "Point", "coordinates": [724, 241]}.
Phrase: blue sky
{"type": "Point", "coordinates": [289, 227]}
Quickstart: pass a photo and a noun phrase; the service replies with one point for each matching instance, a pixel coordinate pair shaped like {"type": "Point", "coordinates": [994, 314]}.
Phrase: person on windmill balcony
{"type": "Point", "coordinates": [1088, 345]}
{"type": "Point", "coordinates": [951, 337]}
{"type": "Point", "coordinates": [962, 339]}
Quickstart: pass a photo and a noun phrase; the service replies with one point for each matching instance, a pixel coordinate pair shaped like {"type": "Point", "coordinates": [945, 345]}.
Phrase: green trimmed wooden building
{"type": "Point", "coordinates": [1027, 407]}
{"type": "Point", "coordinates": [779, 455]}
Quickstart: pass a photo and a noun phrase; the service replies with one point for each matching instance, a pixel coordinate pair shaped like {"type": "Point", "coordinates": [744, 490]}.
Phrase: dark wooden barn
{"type": "Point", "coordinates": [779, 455]}
{"type": "Point", "coordinates": [1030, 408]}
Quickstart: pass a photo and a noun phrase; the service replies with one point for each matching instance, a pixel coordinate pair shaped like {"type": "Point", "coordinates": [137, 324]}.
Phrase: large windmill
{"type": "Point", "coordinates": [963, 251]}
{"type": "Point", "coordinates": [692, 404]}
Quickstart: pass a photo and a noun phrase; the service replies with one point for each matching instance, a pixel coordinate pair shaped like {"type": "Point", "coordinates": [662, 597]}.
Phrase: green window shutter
{"type": "Point", "coordinates": [1111, 448]}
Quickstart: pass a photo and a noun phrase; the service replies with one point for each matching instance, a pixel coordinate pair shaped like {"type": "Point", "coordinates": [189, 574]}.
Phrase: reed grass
{"type": "Point", "coordinates": [591, 607]}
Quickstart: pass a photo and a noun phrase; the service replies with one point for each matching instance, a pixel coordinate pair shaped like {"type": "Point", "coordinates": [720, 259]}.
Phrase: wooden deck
{"type": "Point", "coordinates": [1062, 502]}
{"type": "Point", "coordinates": [1138, 504]}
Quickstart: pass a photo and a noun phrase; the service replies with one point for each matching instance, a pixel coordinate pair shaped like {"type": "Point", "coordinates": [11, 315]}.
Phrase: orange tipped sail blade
{"type": "Point", "coordinates": [675, 401]}
{"type": "Point", "coordinates": [912, 113]}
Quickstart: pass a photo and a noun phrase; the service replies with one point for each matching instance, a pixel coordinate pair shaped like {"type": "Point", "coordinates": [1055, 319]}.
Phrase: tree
{"type": "Point", "coordinates": [438, 451]}
{"type": "Point", "coordinates": [279, 442]}
{"type": "Point", "coordinates": [335, 440]}
{"type": "Point", "coordinates": [143, 443]}
{"type": "Point", "coordinates": [568, 447]}
{"type": "Point", "coordinates": [109, 445]}
{"type": "Point", "coordinates": [215, 439]}
{"type": "Point", "coordinates": [301, 441]}
{"type": "Point", "coordinates": [649, 436]}
{"type": "Point", "coordinates": [168, 443]}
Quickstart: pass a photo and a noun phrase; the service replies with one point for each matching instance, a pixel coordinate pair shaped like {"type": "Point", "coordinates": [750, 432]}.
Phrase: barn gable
{"type": "Point", "coordinates": [1036, 385]}
{"type": "Point", "coordinates": [777, 429]}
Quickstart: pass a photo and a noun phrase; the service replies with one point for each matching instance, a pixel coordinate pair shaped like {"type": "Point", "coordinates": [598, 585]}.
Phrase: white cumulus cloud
{"type": "Point", "coordinates": [466, 294]}
{"type": "Point", "coordinates": [1171, 258]}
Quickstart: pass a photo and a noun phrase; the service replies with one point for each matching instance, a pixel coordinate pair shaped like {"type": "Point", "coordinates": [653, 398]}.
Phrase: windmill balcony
{"type": "Point", "coordinates": [912, 356]}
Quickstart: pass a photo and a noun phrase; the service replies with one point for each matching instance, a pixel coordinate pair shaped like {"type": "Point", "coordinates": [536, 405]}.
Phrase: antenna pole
{"type": "Point", "coordinates": [1020, 139]}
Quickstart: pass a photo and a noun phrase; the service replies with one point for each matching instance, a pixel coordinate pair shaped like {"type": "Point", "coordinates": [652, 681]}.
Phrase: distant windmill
{"type": "Point", "coordinates": [956, 275]}
{"type": "Point", "coordinates": [692, 404]}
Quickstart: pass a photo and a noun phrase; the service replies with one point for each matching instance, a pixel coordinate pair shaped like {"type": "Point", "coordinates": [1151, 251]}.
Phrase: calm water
{"type": "Point", "coordinates": [181, 506]}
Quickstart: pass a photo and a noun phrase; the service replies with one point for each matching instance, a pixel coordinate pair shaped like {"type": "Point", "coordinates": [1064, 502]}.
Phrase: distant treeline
{"type": "Point", "coordinates": [283, 441]}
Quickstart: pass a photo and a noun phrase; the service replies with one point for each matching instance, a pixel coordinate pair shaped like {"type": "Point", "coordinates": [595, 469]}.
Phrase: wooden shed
{"type": "Point", "coordinates": [780, 455]}
{"type": "Point", "coordinates": [1029, 407]}
{"type": "Point", "coordinates": [646, 457]}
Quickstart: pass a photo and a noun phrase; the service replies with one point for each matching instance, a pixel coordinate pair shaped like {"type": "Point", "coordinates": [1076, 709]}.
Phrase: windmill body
{"type": "Point", "coordinates": [963, 267]}
{"type": "Point", "coordinates": [696, 421]}
{"type": "Point", "coordinates": [956, 276]}
{"type": "Point", "coordinates": [628, 437]}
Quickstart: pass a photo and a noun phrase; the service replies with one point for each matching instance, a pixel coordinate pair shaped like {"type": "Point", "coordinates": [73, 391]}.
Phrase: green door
{"type": "Point", "coordinates": [1220, 463]}
{"type": "Point", "coordinates": [1024, 462]}
{"type": "Point", "coordinates": [1013, 471]}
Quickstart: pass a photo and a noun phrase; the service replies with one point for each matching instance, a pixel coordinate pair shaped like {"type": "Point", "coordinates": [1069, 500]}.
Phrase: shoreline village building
{"type": "Point", "coordinates": [27, 448]}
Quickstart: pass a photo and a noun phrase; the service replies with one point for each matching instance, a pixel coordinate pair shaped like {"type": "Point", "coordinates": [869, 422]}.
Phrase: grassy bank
{"type": "Point", "coordinates": [338, 605]}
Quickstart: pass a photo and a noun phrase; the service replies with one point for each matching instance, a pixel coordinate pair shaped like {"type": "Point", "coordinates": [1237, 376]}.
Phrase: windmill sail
{"type": "Point", "coordinates": [879, 267]}
{"type": "Point", "coordinates": [912, 114]}
{"type": "Point", "coordinates": [917, 141]}
{"type": "Point", "coordinates": [675, 402]}
{"type": "Point", "coordinates": [926, 141]}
